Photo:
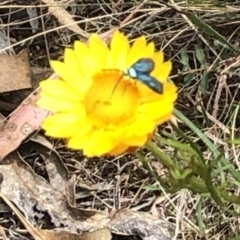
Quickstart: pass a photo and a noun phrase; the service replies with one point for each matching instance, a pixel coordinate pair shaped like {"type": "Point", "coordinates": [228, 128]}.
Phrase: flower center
{"type": "Point", "coordinates": [112, 99]}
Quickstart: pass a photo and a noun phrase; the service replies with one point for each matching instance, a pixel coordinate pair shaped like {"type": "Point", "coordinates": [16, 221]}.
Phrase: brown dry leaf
{"type": "Point", "coordinates": [25, 119]}
{"type": "Point", "coordinates": [15, 72]}
{"type": "Point", "coordinates": [29, 191]}
{"type": "Point", "coordinates": [101, 234]}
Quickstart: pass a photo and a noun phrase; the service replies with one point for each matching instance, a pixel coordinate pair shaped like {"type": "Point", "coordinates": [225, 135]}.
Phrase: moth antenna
{"type": "Point", "coordinates": [115, 87]}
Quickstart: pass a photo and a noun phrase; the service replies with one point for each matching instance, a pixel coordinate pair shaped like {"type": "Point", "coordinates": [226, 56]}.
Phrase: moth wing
{"type": "Point", "coordinates": [144, 65]}
{"type": "Point", "coordinates": [151, 82]}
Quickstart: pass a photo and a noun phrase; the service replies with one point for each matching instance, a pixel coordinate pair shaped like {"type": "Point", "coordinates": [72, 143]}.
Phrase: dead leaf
{"type": "Point", "coordinates": [25, 119]}
{"type": "Point", "coordinates": [29, 191]}
{"type": "Point", "coordinates": [15, 72]}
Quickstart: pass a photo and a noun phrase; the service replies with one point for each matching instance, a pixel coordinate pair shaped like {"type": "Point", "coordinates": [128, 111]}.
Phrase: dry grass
{"type": "Point", "coordinates": [212, 103]}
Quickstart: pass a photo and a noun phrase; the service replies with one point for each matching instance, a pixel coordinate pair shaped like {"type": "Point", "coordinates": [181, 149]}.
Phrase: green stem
{"type": "Point", "coordinates": [194, 183]}
{"type": "Point", "coordinates": [163, 158]}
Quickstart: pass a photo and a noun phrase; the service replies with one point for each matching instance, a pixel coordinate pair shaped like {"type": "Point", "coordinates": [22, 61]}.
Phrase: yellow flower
{"type": "Point", "coordinates": [96, 107]}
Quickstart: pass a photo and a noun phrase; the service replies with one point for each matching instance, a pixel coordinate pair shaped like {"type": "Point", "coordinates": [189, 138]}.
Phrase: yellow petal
{"type": "Point", "coordinates": [55, 132]}
{"type": "Point", "coordinates": [94, 143]}
{"type": "Point", "coordinates": [119, 50]}
{"type": "Point", "coordinates": [70, 60]}
{"type": "Point", "coordinates": [75, 78]}
{"type": "Point", "coordinates": [158, 59]}
{"type": "Point", "coordinates": [72, 78]}
{"type": "Point", "coordinates": [164, 118]}
{"type": "Point", "coordinates": [149, 52]}
{"type": "Point", "coordinates": [143, 125]}
{"type": "Point", "coordinates": [85, 61]}
{"type": "Point", "coordinates": [69, 119]}
{"type": "Point", "coordinates": [119, 149]}
{"type": "Point", "coordinates": [163, 71]}
{"type": "Point", "coordinates": [169, 92]}
{"type": "Point", "coordinates": [60, 68]}
{"type": "Point", "coordinates": [100, 143]}
{"type": "Point", "coordinates": [156, 110]}
{"type": "Point", "coordinates": [56, 104]}
{"type": "Point", "coordinates": [80, 138]}
{"type": "Point", "coordinates": [136, 140]}
{"type": "Point", "coordinates": [99, 50]}
{"type": "Point", "coordinates": [60, 90]}
{"type": "Point", "coordinates": [134, 53]}
{"type": "Point", "coordinates": [62, 125]}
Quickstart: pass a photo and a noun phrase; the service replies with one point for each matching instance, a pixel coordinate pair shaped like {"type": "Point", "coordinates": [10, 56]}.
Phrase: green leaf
{"type": "Point", "coordinates": [200, 55]}
{"type": "Point", "coordinates": [187, 80]}
{"type": "Point", "coordinates": [184, 58]}
{"type": "Point", "coordinates": [204, 84]}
